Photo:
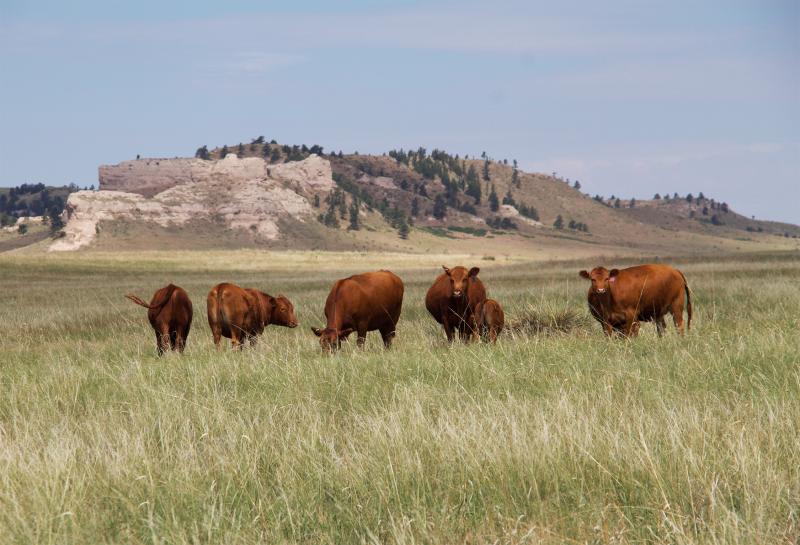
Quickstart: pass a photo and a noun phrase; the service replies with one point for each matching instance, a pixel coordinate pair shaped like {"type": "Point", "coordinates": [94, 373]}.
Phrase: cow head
{"type": "Point", "coordinates": [459, 280]}
{"type": "Point", "coordinates": [601, 279]}
{"type": "Point", "coordinates": [330, 339]}
{"type": "Point", "coordinates": [283, 312]}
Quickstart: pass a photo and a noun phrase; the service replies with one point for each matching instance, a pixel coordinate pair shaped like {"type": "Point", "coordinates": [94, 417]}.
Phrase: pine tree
{"type": "Point", "coordinates": [633, 202]}
{"type": "Point", "coordinates": [656, 197]}
{"type": "Point", "coordinates": [509, 198]}
{"type": "Point", "coordinates": [331, 219]}
{"type": "Point", "coordinates": [494, 202]}
{"type": "Point", "coordinates": [56, 223]}
{"type": "Point", "coordinates": [354, 223]}
{"type": "Point", "coordinates": [486, 170]}
{"type": "Point", "coordinates": [316, 201]}
{"type": "Point", "coordinates": [439, 207]}
{"type": "Point", "coordinates": [414, 207]}
{"type": "Point", "coordinates": [577, 185]}
{"type": "Point", "coordinates": [473, 184]}
{"type": "Point", "coordinates": [617, 203]}
{"type": "Point", "coordinates": [559, 223]}
{"type": "Point", "coordinates": [202, 153]}
{"type": "Point", "coordinates": [240, 150]}
{"type": "Point", "coordinates": [223, 152]}
{"type": "Point", "coordinates": [403, 228]}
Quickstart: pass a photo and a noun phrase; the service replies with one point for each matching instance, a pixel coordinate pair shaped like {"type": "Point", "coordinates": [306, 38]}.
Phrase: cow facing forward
{"type": "Point", "coordinates": [241, 314]}
{"type": "Point", "coordinates": [452, 300]}
{"type": "Point", "coordinates": [361, 303]}
{"type": "Point", "coordinates": [170, 314]}
{"type": "Point", "coordinates": [620, 298]}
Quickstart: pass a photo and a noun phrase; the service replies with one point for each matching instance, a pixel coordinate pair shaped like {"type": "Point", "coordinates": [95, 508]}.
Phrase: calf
{"type": "Point", "coordinates": [489, 318]}
{"type": "Point", "coordinates": [170, 314]}
{"type": "Point", "coordinates": [452, 300]}
{"type": "Point", "coordinates": [620, 299]}
{"type": "Point", "coordinates": [241, 314]}
{"type": "Point", "coordinates": [361, 303]}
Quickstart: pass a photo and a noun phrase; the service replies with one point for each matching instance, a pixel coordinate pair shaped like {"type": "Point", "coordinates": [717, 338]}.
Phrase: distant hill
{"type": "Point", "coordinates": [268, 195]}
{"type": "Point", "coordinates": [32, 200]}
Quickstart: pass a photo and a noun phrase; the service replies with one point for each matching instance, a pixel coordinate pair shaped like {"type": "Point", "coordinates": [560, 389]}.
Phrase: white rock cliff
{"type": "Point", "coordinates": [243, 193]}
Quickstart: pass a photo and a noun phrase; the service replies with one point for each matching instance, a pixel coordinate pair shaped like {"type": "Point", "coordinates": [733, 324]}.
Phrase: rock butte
{"type": "Point", "coordinates": [244, 193]}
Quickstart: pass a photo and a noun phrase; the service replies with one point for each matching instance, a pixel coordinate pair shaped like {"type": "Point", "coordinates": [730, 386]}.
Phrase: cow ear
{"type": "Point", "coordinates": [317, 331]}
{"type": "Point", "coordinates": [585, 274]}
{"type": "Point", "coordinates": [446, 270]}
{"type": "Point", "coordinates": [271, 300]}
{"type": "Point", "coordinates": [473, 272]}
{"type": "Point", "coordinates": [613, 272]}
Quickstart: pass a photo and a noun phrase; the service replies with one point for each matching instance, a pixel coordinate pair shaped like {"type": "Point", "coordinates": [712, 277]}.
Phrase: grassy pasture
{"type": "Point", "coordinates": [548, 438]}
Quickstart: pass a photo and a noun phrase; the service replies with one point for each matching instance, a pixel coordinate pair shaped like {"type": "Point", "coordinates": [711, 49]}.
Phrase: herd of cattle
{"type": "Point", "coordinates": [618, 299]}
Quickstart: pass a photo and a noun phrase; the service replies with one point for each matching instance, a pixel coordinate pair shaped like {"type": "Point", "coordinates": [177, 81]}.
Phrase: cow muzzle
{"type": "Point", "coordinates": [457, 293]}
{"type": "Point", "coordinates": [600, 290]}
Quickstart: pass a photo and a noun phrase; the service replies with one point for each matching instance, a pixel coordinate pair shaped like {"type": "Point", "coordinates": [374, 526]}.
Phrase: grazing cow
{"type": "Point", "coordinates": [489, 318]}
{"type": "Point", "coordinates": [170, 314]}
{"type": "Point", "coordinates": [241, 314]}
{"type": "Point", "coordinates": [619, 299]}
{"type": "Point", "coordinates": [361, 303]}
{"type": "Point", "coordinates": [452, 300]}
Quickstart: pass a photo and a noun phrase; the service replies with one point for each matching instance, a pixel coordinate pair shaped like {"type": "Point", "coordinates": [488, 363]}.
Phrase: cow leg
{"type": "Point", "coordinates": [387, 334]}
{"type": "Point", "coordinates": [677, 315]}
{"type": "Point", "coordinates": [180, 343]}
{"type": "Point", "coordinates": [216, 331]}
{"type": "Point", "coordinates": [472, 328]}
{"type": "Point", "coordinates": [362, 337]}
{"type": "Point", "coordinates": [162, 339]}
{"type": "Point", "coordinates": [448, 328]}
{"type": "Point", "coordinates": [236, 339]}
{"type": "Point", "coordinates": [180, 339]}
{"type": "Point", "coordinates": [661, 325]}
{"type": "Point", "coordinates": [492, 334]}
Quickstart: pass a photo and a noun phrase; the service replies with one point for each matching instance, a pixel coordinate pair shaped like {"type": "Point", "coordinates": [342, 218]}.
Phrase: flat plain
{"type": "Point", "coordinates": [553, 435]}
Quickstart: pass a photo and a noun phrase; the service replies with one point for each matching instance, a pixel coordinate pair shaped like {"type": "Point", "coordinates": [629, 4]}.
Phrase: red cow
{"type": "Point", "coordinates": [452, 300]}
{"type": "Point", "coordinates": [489, 318]}
{"type": "Point", "coordinates": [170, 314]}
{"type": "Point", "coordinates": [620, 299]}
{"type": "Point", "coordinates": [361, 303]}
{"type": "Point", "coordinates": [242, 314]}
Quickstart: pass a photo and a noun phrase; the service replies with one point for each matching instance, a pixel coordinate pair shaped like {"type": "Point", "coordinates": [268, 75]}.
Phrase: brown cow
{"type": "Point", "coordinates": [489, 318]}
{"type": "Point", "coordinates": [241, 314]}
{"type": "Point", "coordinates": [170, 314]}
{"type": "Point", "coordinates": [361, 303]}
{"type": "Point", "coordinates": [619, 299]}
{"type": "Point", "coordinates": [452, 300]}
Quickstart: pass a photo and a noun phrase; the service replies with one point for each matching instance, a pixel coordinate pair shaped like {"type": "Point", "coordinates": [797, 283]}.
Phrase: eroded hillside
{"type": "Point", "coordinates": [268, 195]}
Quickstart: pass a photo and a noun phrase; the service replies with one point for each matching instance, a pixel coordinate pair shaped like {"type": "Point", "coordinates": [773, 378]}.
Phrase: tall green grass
{"type": "Point", "coordinates": [554, 435]}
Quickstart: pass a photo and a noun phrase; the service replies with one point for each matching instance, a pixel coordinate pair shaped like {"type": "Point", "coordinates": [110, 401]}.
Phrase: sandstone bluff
{"type": "Point", "coordinates": [245, 193]}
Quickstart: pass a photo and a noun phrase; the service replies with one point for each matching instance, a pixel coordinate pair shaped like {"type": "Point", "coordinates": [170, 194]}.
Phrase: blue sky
{"type": "Point", "coordinates": [631, 97]}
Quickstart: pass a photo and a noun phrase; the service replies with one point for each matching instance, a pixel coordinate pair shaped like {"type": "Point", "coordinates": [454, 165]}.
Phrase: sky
{"type": "Point", "coordinates": [629, 97]}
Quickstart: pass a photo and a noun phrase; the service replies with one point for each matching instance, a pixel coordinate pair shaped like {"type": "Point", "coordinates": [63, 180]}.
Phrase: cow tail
{"type": "Point", "coordinates": [223, 320]}
{"type": "Point", "coordinates": [137, 300]}
{"type": "Point", "coordinates": [158, 303]}
{"type": "Point", "coordinates": [688, 303]}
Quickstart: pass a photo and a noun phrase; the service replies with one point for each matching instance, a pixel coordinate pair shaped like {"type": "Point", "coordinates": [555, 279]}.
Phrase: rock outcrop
{"type": "Point", "coordinates": [240, 193]}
